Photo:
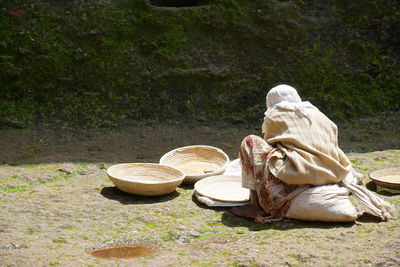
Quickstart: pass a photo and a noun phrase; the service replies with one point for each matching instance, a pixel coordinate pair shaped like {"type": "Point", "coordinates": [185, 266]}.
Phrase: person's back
{"type": "Point", "coordinates": [308, 151]}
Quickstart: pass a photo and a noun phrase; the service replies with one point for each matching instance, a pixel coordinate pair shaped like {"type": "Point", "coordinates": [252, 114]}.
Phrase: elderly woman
{"type": "Point", "coordinates": [299, 150]}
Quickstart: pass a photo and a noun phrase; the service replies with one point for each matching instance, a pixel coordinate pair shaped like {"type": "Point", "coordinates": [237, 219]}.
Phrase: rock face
{"type": "Point", "coordinates": [177, 3]}
{"type": "Point", "coordinates": [109, 63]}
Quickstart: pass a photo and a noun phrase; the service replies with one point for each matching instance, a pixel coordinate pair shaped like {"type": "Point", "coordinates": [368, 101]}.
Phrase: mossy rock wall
{"type": "Point", "coordinates": [108, 63]}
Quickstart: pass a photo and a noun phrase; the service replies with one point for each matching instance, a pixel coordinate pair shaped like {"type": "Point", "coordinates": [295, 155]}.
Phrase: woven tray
{"type": "Point", "coordinates": [225, 188]}
{"type": "Point", "coordinates": [389, 177]}
{"type": "Point", "coordinates": [196, 162]}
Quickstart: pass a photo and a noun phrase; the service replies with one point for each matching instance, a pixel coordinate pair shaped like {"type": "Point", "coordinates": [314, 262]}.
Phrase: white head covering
{"type": "Point", "coordinates": [282, 93]}
{"type": "Point", "coordinates": [285, 97]}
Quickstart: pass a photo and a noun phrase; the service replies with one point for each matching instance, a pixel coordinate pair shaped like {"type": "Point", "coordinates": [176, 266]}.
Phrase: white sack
{"type": "Point", "coordinates": [331, 202]}
{"type": "Point", "coordinates": [328, 203]}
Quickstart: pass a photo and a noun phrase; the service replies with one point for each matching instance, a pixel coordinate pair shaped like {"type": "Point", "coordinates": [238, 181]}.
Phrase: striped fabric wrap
{"type": "Point", "coordinates": [307, 149]}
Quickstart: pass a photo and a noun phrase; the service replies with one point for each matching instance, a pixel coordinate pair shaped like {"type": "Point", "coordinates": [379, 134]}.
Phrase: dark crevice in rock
{"type": "Point", "coordinates": [179, 3]}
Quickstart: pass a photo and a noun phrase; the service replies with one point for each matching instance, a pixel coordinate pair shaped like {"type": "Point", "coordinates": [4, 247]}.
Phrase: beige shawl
{"type": "Point", "coordinates": [308, 151]}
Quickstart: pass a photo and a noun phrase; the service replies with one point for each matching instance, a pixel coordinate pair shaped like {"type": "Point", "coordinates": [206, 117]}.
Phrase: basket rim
{"type": "Point", "coordinates": [374, 178]}
{"type": "Point", "coordinates": [220, 170]}
{"type": "Point", "coordinates": [180, 177]}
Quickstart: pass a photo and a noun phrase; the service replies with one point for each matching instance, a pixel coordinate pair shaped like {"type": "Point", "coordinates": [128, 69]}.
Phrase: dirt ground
{"type": "Point", "coordinates": [58, 204]}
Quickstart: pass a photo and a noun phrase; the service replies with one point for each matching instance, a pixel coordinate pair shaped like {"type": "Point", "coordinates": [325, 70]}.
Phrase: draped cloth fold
{"type": "Point", "coordinates": [274, 195]}
{"type": "Point", "coordinates": [369, 202]}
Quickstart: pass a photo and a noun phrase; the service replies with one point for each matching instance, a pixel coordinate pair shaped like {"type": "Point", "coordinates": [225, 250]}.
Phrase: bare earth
{"type": "Point", "coordinates": [58, 204]}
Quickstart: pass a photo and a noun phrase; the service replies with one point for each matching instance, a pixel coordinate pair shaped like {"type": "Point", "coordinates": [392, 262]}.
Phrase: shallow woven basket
{"type": "Point", "coordinates": [196, 162]}
{"type": "Point", "coordinates": [389, 177]}
{"type": "Point", "coordinates": [147, 179]}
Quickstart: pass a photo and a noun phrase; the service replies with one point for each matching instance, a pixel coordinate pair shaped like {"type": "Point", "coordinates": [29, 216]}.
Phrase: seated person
{"type": "Point", "coordinates": [299, 149]}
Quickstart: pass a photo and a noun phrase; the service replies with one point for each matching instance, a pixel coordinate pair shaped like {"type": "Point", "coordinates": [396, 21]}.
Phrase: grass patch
{"type": "Point", "coordinates": [59, 240]}
{"type": "Point", "coordinates": [12, 189]}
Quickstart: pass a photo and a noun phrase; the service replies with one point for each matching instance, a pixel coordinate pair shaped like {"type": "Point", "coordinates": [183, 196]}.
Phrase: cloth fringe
{"type": "Point", "coordinates": [370, 203]}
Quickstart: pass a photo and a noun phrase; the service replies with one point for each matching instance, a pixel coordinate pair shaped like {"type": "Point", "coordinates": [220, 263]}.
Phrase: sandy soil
{"type": "Point", "coordinates": [58, 204]}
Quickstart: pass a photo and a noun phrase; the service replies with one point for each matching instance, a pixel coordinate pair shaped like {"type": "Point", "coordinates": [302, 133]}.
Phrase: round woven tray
{"type": "Point", "coordinates": [196, 162]}
{"type": "Point", "coordinates": [389, 177]}
{"type": "Point", "coordinates": [147, 179]}
{"type": "Point", "coordinates": [225, 188]}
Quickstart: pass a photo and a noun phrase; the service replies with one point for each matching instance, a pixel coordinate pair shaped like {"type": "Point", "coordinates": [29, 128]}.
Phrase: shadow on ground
{"type": "Point", "coordinates": [149, 143]}
{"type": "Point", "coordinates": [229, 219]}
{"type": "Point", "coordinates": [381, 190]}
{"type": "Point", "coordinates": [114, 193]}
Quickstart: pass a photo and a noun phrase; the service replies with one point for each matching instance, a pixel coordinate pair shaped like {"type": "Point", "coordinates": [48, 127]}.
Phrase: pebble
{"type": "Point", "coordinates": [83, 172]}
{"type": "Point", "coordinates": [64, 171]}
{"type": "Point", "coordinates": [12, 246]}
{"type": "Point", "coordinates": [101, 166]}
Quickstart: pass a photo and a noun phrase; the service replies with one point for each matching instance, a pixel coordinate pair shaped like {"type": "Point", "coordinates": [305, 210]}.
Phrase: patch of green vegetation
{"type": "Point", "coordinates": [11, 189]}
{"type": "Point", "coordinates": [118, 231]}
{"type": "Point", "coordinates": [365, 229]}
{"type": "Point", "coordinates": [67, 227]}
{"type": "Point", "coordinates": [169, 237]}
{"type": "Point", "coordinates": [109, 63]}
{"type": "Point", "coordinates": [215, 223]}
{"type": "Point", "coordinates": [354, 162]}
{"type": "Point", "coordinates": [151, 225]}
{"type": "Point", "coordinates": [363, 169]}
{"type": "Point", "coordinates": [59, 240]}
{"type": "Point", "coordinates": [31, 231]}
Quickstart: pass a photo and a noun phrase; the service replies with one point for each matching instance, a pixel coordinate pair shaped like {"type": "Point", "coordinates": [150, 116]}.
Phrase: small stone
{"type": "Point", "coordinates": [12, 246]}
{"type": "Point", "coordinates": [64, 171]}
{"type": "Point", "coordinates": [194, 233]}
{"type": "Point", "coordinates": [381, 157]}
{"type": "Point", "coordinates": [101, 166]}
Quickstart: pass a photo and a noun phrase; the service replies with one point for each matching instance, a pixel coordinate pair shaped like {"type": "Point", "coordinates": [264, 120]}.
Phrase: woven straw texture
{"type": "Point", "coordinates": [147, 179]}
{"type": "Point", "coordinates": [196, 162]}
{"type": "Point", "coordinates": [389, 178]}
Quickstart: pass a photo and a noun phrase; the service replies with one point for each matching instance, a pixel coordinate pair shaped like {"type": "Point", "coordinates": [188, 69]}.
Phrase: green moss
{"type": "Point", "coordinates": [151, 225]}
{"type": "Point", "coordinates": [11, 189]}
{"type": "Point", "coordinates": [110, 63]}
{"type": "Point", "coordinates": [59, 240]}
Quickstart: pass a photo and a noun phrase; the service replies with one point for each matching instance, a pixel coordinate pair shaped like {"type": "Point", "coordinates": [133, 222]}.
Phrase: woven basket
{"type": "Point", "coordinates": [389, 177]}
{"type": "Point", "coordinates": [196, 162]}
{"type": "Point", "coordinates": [147, 179]}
